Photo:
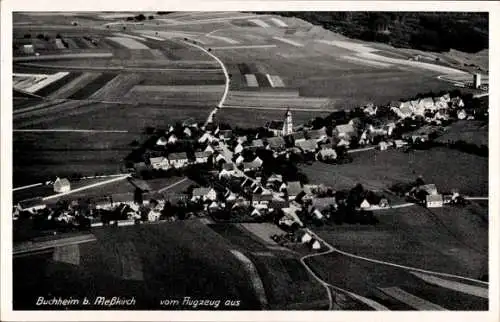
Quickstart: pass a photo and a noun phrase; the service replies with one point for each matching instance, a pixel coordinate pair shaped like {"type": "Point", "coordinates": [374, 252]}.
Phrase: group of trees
{"type": "Point", "coordinates": [433, 31]}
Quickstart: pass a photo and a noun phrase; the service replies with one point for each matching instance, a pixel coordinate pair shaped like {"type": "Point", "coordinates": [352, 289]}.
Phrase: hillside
{"type": "Point", "coordinates": [433, 31]}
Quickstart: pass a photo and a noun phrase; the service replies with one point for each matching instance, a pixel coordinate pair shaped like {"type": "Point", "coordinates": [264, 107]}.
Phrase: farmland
{"type": "Point", "coordinates": [149, 251]}
{"type": "Point", "coordinates": [448, 169]}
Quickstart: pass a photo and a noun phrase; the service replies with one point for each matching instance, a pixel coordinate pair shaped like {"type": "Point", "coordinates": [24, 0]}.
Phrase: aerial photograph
{"type": "Point", "coordinates": [223, 160]}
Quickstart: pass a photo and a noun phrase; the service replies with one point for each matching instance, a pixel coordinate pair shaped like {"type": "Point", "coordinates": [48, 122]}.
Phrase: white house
{"type": "Point", "coordinates": [62, 185]}
{"type": "Point", "coordinates": [239, 160]}
{"type": "Point", "coordinates": [159, 163]}
{"type": "Point", "coordinates": [365, 204]}
{"type": "Point", "coordinates": [154, 215]}
{"type": "Point", "coordinates": [227, 170]}
{"type": "Point", "coordinates": [202, 157]}
{"type": "Point", "coordinates": [188, 132]}
{"type": "Point", "coordinates": [344, 130]}
{"type": "Point", "coordinates": [239, 148]}
{"type": "Point", "coordinates": [178, 160]}
{"type": "Point", "coordinates": [172, 139]}
{"type": "Point", "coordinates": [306, 238]}
{"type": "Point", "coordinates": [383, 145]}
{"type": "Point", "coordinates": [162, 141]}
{"type": "Point", "coordinates": [209, 149]}
{"type": "Point", "coordinates": [204, 194]}
{"type": "Point", "coordinates": [255, 213]}
{"type": "Point", "coordinates": [434, 201]}
{"type": "Point", "coordinates": [316, 245]}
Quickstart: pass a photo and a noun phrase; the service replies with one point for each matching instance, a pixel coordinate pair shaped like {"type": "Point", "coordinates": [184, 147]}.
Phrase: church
{"type": "Point", "coordinates": [282, 128]}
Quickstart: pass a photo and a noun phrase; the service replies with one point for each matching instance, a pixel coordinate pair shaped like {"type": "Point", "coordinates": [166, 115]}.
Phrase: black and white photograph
{"type": "Point", "coordinates": [276, 160]}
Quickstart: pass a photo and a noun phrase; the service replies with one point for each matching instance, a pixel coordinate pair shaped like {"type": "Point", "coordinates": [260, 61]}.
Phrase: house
{"type": "Point", "coordinates": [255, 213]}
{"type": "Point", "coordinates": [230, 196]}
{"type": "Point", "coordinates": [188, 132]}
{"type": "Point", "coordinates": [202, 156]}
{"type": "Point", "coordinates": [326, 153]}
{"type": "Point", "coordinates": [62, 185]}
{"type": "Point", "coordinates": [253, 165]}
{"type": "Point", "coordinates": [159, 163]}
{"type": "Point", "coordinates": [31, 205]}
{"type": "Point", "coordinates": [322, 204]}
{"type": "Point", "coordinates": [317, 215]}
{"type": "Point", "coordinates": [154, 215]}
{"type": "Point", "coordinates": [307, 145]}
{"type": "Point", "coordinates": [206, 137]}
{"type": "Point", "coordinates": [172, 139]}
{"type": "Point", "coordinates": [403, 110]}
{"type": "Point", "coordinates": [344, 142]}
{"type": "Point", "coordinates": [261, 199]}
{"type": "Point", "coordinates": [276, 143]}
{"type": "Point", "coordinates": [370, 109]}
{"type": "Point", "coordinates": [257, 144]}
{"type": "Point", "coordinates": [462, 114]}
{"type": "Point", "coordinates": [162, 141]}
{"type": "Point", "coordinates": [365, 204]}
{"type": "Point", "coordinates": [318, 135]}
{"type": "Point", "coordinates": [227, 170]}
{"type": "Point", "coordinates": [239, 160]}
{"type": "Point", "coordinates": [220, 158]}
{"type": "Point", "coordinates": [434, 201]}
{"type": "Point", "coordinates": [278, 204]}
{"type": "Point", "coordinates": [239, 148]}
{"type": "Point", "coordinates": [276, 127]}
{"type": "Point", "coordinates": [399, 143]}
{"type": "Point", "coordinates": [293, 189]}
{"type": "Point", "coordinates": [298, 136]}
{"type": "Point", "coordinates": [209, 149]}
{"type": "Point", "coordinates": [427, 103]}
{"type": "Point", "coordinates": [241, 139]}
{"type": "Point", "coordinates": [383, 145]}
{"type": "Point", "coordinates": [315, 245]}
{"type": "Point", "coordinates": [431, 189]}
{"type": "Point", "coordinates": [344, 130]}
{"type": "Point", "coordinates": [457, 102]}
{"type": "Point", "coordinates": [305, 238]}
{"type": "Point", "coordinates": [28, 49]}
{"type": "Point", "coordinates": [178, 160]}
{"type": "Point", "coordinates": [203, 194]}
{"type": "Point", "coordinates": [225, 135]}
{"type": "Point", "coordinates": [213, 206]}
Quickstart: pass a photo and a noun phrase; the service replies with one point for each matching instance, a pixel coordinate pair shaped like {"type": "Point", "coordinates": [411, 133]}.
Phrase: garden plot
{"type": "Point", "coordinates": [128, 43]}
{"type": "Point", "coordinates": [92, 86]}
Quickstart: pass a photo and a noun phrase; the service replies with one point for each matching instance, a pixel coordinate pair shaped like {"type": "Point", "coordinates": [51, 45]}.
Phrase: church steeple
{"type": "Point", "coordinates": [287, 124]}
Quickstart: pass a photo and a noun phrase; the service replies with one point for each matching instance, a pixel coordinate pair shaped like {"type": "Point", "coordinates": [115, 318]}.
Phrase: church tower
{"type": "Point", "coordinates": [287, 124]}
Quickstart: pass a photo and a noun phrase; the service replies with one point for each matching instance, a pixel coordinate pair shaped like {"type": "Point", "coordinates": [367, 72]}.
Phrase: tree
{"type": "Point", "coordinates": [140, 17]}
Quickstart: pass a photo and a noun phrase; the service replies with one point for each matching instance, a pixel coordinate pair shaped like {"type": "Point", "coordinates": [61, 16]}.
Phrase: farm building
{"type": "Point", "coordinates": [307, 146]}
{"type": "Point", "coordinates": [239, 160]}
{"type": "Point", "coordinates": [225, 135]}
{"type": "Point", "coordinates": [172, 139]}
{"type": "Point", "coordinates": [62, 185]}
{"type": "Point", "coordinates": [159, 163]}
{"type": "Point", "coordinates": [238, 148]}
{"type": "Point", "coordinates": [305, 238]}
{"type": "Point", "coordinates": [31, 205]}
{"type": "Point", "coordinates": [261, 199]}
{"type": "Point", "coordinates": [326, 153]}
{"type": "Point", "coordinates": [202, 156]}
{"type": "Point", "coordinates": [227, 170]}
{"type": "Point", "coordinates": [344, 130]}
{"type": "Point", "coordinates": [276, 143]}
{"type": "Point", "coordinates": [365, 204]}
{"type": "Point", "coordinates": [28, 49]}
{"type": "Point", "coordinates": [253, 165]}
{"type": "Point", "coordinates": [322, 203]}
{"type": "Point", "coordinates": [162, 141]}
{"type": "Point", "coordinates": [204, 194]}
{"type": "Point", "coordinates": [209, 149]}
{"type": "Point", "coordinates": [178, 160]}
{"type": "Point", "coordinates": [434, 201]}
{"type": "Point", "coordinates": [318, 135]}
{"type": "Point", "coordinates": [257, 144]}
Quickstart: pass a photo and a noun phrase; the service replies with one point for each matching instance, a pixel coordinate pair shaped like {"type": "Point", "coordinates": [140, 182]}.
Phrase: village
{"type": "Point", "coordinates": [250, 175]}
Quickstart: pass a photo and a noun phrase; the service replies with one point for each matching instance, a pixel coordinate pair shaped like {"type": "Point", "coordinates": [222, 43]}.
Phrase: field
{"type": "Point", "coordinates": [41, 156]}
{"type": "Point", "coordinates": [378, 170]}
{"type": "Point", "coordinates": [449, 240]}
{"type": "Point", "coordinates": [470, 132]}
{"type": "Point", "coordinates": [150, 262]}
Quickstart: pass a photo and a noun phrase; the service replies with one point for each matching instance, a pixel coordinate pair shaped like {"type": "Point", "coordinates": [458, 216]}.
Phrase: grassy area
{"type": "Point", "coordinates": [247, 118]}
{"type": "Point", "coordinates": [167, 256]}
{"type": "Point", "coordinates": [471, 132]}
{"type": "Point", "coordinates": [44, 155]}
{"type": "Point", "coordinates": [448, 169]}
